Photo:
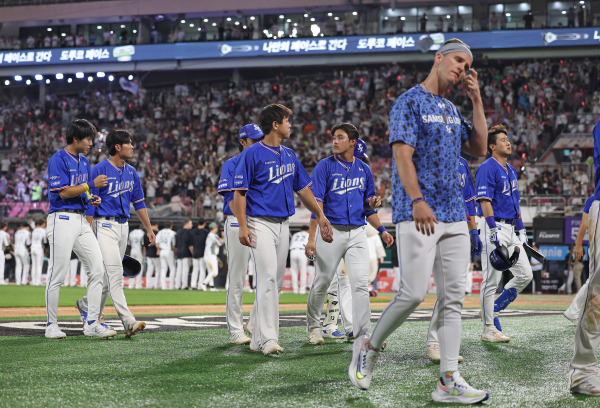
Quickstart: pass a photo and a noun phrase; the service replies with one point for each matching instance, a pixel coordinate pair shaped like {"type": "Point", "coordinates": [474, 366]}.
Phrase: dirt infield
{"type": "Point", "coordinates": [557, 302]}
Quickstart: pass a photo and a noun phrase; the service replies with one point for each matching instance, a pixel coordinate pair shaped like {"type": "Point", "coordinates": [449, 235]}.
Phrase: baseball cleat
{"type": "Point", "coordinates": [364, 358]}
{"type": "Point", "coordinates": [54, 332]}
{"type": "Point", "coordinates": [572, 319]}
{"type": "Point", "coordinates": [433, 352]}
{"type": "Point", "coordinates": [272, 348]}
{"type": "Point", "coordinates": [350, 336]}
{"type": "Point", "coordinates": [98, 329]}
{"type": "Point", "coordinates": [458, 391]}
{"type": "Point", "coordinates": [590, 386]}
{"type": "Point", "coordinates": [333, 334]}
{"type": "Point", "coordinates": [240, 338]}
{"type": "Point", "coordinates": [494, 335]}
{"type": "Point", "coordinates": [133, 328]}
{"type": "Point", "coordinates": [82, 312]}
{"type": "Point", "coordinates": [315, 337]}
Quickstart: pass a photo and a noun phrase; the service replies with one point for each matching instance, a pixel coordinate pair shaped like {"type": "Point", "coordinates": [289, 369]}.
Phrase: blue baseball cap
{"type": "Point", "coordinates": [360, 150]}
{"type": "Point", "coordinates": [252, 131]}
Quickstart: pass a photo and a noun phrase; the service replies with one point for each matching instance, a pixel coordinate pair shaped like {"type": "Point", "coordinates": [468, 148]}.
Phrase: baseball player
{"type": "Point", "coordinates": [110, 222]}
{"type": "Point", "coordinates": [70, 179]}
{"type": "Point", "coordinates": [4, 243]}
{"type": "Point", "coordinates": [427, 133]}
{"type": "Point", "coordinates": [498, 198]}
{"type": "Point", "coordinates": [22, 264]}
{"type": "Point", "coordinates": [199, 242]}
{"type": "Point", "coordinates": [265, 179]}
{"type": "Point", "coordinates": [468, 193]}
{"type": "Point", "coordinates": [582, 376]}
{"type": "Point", "coordinates": [211, 250]}
{"type": "Point", "coordinates": [238, 255]}
{"type": "Point", "coordinates": [298, 261]}
{"type": "Point", "coordinates": [165, 239]}
{"type": "Point", "coordinates": [344, 187]}
{"type": "Point", "coordinates": [152, 260]}
{"type": "Point", "coordinates": [135, 241]}
{"type": "Point", "coordinates": [185, 243]}
{"type": "Point", "coordinates": [573, 312]}
{"type": "Point", "coordinates": [38, 239]}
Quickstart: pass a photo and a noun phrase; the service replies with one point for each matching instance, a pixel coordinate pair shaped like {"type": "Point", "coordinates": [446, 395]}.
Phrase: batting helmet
{"type": "Point", "coordinates": [131, 267]}
{"type": "Point", "coordinates": [501, 261]}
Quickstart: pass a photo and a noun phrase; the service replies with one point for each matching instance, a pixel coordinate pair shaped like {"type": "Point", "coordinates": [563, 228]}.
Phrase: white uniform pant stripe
{"type": "Point", "coordinates": [238, 257]}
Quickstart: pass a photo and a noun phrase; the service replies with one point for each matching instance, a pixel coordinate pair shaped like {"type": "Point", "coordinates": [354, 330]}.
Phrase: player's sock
{"type": "Point", "coordinates": [506, 297]}
{"type": "Point", "coordinates": [446, 377]}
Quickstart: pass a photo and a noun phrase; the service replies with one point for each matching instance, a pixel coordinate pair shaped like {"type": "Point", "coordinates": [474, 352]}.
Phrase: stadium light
{"type": "Point", "coordinates": [403, 18]}
{"type": "Point", "coordinates": [59, 76]}
{"type": "Point", "coordinates": [281, 16]}
{"type": "Point", "coordinates": [7, 82]}
{"type": "Point", "coordinates": [191, 24]}
{"type": "Point", "coordinates": [237, 23]}
{"type": "Point", "coordinates": [563, 12]}
{"type": "Point", "coordinates": [305, 15]}
{"type": "Point", "coordinates": [28, 82]}
{"type": "Point", "coordinates": [70, 80]}
{"type": "Point", "coordinates": [122, 25]}
{"type": "Point", "coordinates": [90, 78]}
{"type": "Point", "coordinates": [355, 13]}
{"type": "Point", "coordinates": [182, 21]}
{"type": "Point", "coordinates": [47, 80]}
{"type": "Point", "coordinates": [206, 19]}
{"type": "Point", "coordinates": [315, 29]}
{"type": "Point", "coordinates": [252, 18]}
{"type": "Point", "coordinates": [199, 29]}
{"type": "Point", "coordinates": [49, 29]}
{"type": "Point", "coordinates": [100, 74]}
{"type": "Point", "coordinates": [135, 31]}
{"type": "Point", "coordinates": [312, 19]}
{"type": "Point", "coordinates": [99, 27]}
{"type": "Point", "coordinates": [214, 24]}
{"type": "Point", "coordinates": [130, 77]}
{"type": "Point", "coordinates": [18, 78]}
{"type": "Point", "coordinates": [228, 18]}
{"type": "Point", "coordinates": [111, 78]}
{"type": "Point", "coordinates": [38, 77]}
{"type": "Point", "coordinates": [336, 18]}
{"type": "Point", "coordinates": [79, 75]}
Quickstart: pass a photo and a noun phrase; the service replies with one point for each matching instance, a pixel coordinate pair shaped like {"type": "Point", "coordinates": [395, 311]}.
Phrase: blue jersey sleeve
{"type": "Point", "coordinates": [92, 174]}
{"type": "Point", "coordinates": [58, 174]}
{"type": "Point", "coordinates": [137, 196]}
{"type": "Point", "coordinates": [370, 187]}
{"type": "Point", "coordinates": [406, 123]}
{"type": "Point", "coordinates": [244, 171]}
{"type": "Point", "coordinates": [301, 179]}
{"type": "Point", "coordinates": [485, 179]}
{"type": "Point", "coordinates": [226, 179]}
{"type": "Point", "coordinates": [588, 203]}
{"type": "Point", "coordinates": [319, 178]}
{"type": "Point", "coordinates": [467, 127]}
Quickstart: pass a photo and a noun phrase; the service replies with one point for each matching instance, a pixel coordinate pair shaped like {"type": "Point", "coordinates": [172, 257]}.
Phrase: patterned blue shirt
{"type": "Point", "coordinates": [436, 129]}
{"type": "Point", "coordinates": [225, 187]}
{"type": "Point", "coordinates": [498, 185]}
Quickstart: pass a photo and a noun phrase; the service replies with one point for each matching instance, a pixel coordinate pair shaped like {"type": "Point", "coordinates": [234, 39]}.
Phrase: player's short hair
{"type": "Point", "coordinates": [186, 221]}
{"type": "Point", "coordinates": [3, 225]}
{"type": "Point", "coordinates": [80, 129]}
{"type": "Point", "coordinates": [41, 221]}
{"type": "Point", "coordinates": [117, 137]}
{"type": "Point", "coordinates": [304, 228]}
{"type": "Point", "coordinates": [493, 135]}
{"type": "Point", "coordinates": [169, 224]}
{"type": "Point", "coordinates": [201, 221]}
{"type": "Point", "coordinates": [348, 128]}
{"type": "Point", "coordinates": [455, 41]}
{"type": "Point", "coordinates": [364, 159]}
{"type": "Point", "coordinates": [272, 113]}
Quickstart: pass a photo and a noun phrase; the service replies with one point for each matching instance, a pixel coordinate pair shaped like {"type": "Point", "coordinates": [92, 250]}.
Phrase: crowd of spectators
{"type": "Point", "coordinates": [185, 132]}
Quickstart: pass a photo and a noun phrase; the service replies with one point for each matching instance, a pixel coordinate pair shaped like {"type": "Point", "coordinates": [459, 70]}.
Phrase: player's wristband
{"type": "Point", "coordinates": [87, 187]}
{"type": "Point", "coordinates": [491, 222]}
{"type": "Point", "coordinates": [381, 229]}
{"type": "Point", "coordinates": [519, 224]}
{"type": "Point", "coordinates": [416, 200]}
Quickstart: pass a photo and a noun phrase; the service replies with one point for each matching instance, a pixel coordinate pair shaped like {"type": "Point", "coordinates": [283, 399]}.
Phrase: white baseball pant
{"type": "Point", "coordinates": [112, 239]}
{"type": "Point", "coordinates": [137, 281]}
{"type": "Point", "coordinates": [71, 232]}
{"type": "Point", "coordinates": [152, 273]}
{"type": "Point", "coordinates": [340, 287]}
{"type": "Point", "coordinates": [167, 263]}
{"type": "Point", "coordinates": [271, 240]}
{"type": "Point", "coordinates": [238, 257]}
{"type": "Point", "coordinates": [350, 243]}
{"type": "Point", "coordinates": [37, 263]}
{"type": "Point", "coordinates": [198, 271]}
{"type": "Point", "coordinates": [71, 278]}
{"type": "Point", "coordinates": [2, 265]}
{"type": "Point", "coordinates": [442, 253]}
{"type": "Point", "coordinates": [21, 266]}
{"type": "Point", "coordinates": [298, 264]}
{"type": "Point", "coordinates": [587, 336]}
{"type": "Point", "coordinates": [181, 273]}
{"type": "Point", "coordinates": [576, 307]}
{"type": "Point", "coordinates": [212, 268]}
{"type": "Point", "coordinates": [521, 271]}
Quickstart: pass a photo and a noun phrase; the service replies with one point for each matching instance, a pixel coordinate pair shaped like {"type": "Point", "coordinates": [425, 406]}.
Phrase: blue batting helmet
{"type": "Point", "coordinates": [501, 261]}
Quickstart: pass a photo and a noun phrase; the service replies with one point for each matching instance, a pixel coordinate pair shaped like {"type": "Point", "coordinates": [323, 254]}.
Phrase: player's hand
{"type": "Point", "coordinates": [100, 181]}
{"type": "Point", "coordinates": [472, 84]}
{"type": "Point", "coordinates": [522, 236]}
{"type": "Point", "coordinates": [476, 244]}
{"type": "Point", "coordinates": [372, 203]}
{"type": "Point", "coordinates": [578, 252]}
{"type": "Point", "coordinates": [245, 236]}
{"type": "Point", "coordinates": [424, 218]}
{"type": "Point", "coordinates": [387, 238]}
{"type": "Point", "coordinates": [95, 201]}
{"type": "Point", "coordinates": [151, 238]}
{"type": "Point", "coordinates": [326, 230]}
{"type": "Point", "coordinates": [309, 250]}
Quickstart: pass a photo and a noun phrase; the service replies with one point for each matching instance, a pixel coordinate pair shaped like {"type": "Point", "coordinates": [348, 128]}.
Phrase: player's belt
{"type": "Point", "coordinates": [120, 220]}
{"type": "Point", "coordinates": [506, 221]}
{"type": "Point", "coordinates": [72, 211]}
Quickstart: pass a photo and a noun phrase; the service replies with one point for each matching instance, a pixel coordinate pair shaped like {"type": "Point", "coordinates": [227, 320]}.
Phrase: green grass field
{"type": "Point", "coordinates": [200, 368]}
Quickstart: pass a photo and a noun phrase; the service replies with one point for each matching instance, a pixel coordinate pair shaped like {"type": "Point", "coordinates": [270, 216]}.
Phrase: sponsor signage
{"type": "Point", "coordinates": [554, 252]}
{"type": "Point", "coordinates": [553, 236]}
{"type": "Point", "coordinates": [302, 46]}
{"type": "Point", "coordinates": [572, 225]}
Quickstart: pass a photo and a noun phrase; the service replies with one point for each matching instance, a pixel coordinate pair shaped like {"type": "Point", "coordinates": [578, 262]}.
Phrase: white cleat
{"type": "Point", "coordinates": [272, 348]}
{"type": "Point", "coordinates": [54, 332]}
{"type": "Point", "coordinates": [458, 391]}
{"type": "Point", "coordinates": [98, 329]}
{"type": "Point", "coordinates": [240, 338]}
{"type": "Point", "coordinates": [494, 335]}
{"type": "Point", "coordinates": [572, 319]}
{"type": "Point", "coordinates": [589, 386]}
{"type": "Point", "coordinates": [315, 337]}
{"type": "Point", "coordinates": [133, 328]}
{"type": "Point", "coordinates": [363, 360]}
{"type": "Point", "coordinates": [433, 352]}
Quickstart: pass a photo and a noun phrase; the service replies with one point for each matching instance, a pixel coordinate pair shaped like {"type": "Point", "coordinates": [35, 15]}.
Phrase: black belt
{"type": "Point", "coordinates": [73, 211]}
{"type": "Point", "coordinates": [120, 220]}
{"type": "Point", "coordinates": [506, 221]}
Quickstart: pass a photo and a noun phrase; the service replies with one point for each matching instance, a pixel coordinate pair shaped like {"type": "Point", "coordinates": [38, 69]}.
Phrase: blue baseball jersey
{"type": "Point", "coordinates": [343, 188]}
{"type": "Point", "coordinates": [596, 136]}
{"type": "Point", "coordinates": [436, 129]}
{"type": "Point", "coordinates": [588, 203]}
{"type": "Point", "coordinates": [225, 187]}
{"type": "Point", "coordinates": [66, 170]}
{"type": "Point", "coordinates": [123, 188]}
{"type": "Point", "coordinates": [467, 187]}
{"type": "Point", "coordinates": [270, 176]}
{"type": "Point", "coordinates": [499, 185]}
